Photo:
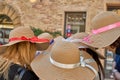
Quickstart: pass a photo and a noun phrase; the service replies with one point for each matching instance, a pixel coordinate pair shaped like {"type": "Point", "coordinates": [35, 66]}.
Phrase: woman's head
{"type": "Point", "coordinates": [23, 52]}
{"type": "Point", "coordinates": [21, 34]}
{"type": "Point", "coordinates": [114, 45]}
{"type": "Point", "coordinates": [22, 45]}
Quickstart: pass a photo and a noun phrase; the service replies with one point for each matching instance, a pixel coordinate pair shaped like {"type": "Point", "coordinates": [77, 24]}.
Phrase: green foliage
{"type": "Point", "coordinates": [37, 31]}
{"type": "Point", "coordinates": [56, 33]}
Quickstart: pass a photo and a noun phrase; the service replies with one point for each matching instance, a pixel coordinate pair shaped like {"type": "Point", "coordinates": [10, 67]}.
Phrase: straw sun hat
{"type": "Point", "coordinates": [105, 30]}
{"type": "Point", "coordinates": [76, 38]}
{"type": "Point", "coordinates": [51, 41]}
{"type": "Point", "coordinates": [21, 34]}
{"type": "Point", "coordinates": [63, 63]}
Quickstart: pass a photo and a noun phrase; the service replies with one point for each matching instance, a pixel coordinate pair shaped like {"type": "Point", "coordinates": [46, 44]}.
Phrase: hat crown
{"type": "Point", "coordinates": [65, 52]}
{"type": "Point", "coordinates": [104, 18]}
{"type": "Point", "coordinates": [21, 31]}
{"type": "Point", "coordinates": [45, 35]}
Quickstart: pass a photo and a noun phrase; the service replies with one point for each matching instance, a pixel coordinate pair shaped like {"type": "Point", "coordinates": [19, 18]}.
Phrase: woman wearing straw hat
{"type": "Point", "coordinates": [17, 55]}
{"type": "Point", "coordinates": [115, 48]}
{"type": "Point", "coordinates": [106, 33]}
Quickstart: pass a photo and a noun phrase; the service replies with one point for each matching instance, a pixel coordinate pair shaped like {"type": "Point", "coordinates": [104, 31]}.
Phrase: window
{"type": "Point", "coordinates": [74, 22]}
{"type": "Point", "coordinates": [6, 26]}
{"type": "Point", "coordinates": [114, 8]}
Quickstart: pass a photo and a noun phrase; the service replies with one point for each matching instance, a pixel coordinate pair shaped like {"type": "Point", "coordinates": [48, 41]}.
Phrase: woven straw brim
{"type": "Point", "coordinates": [92, 48]}
{"type": "Point", "coordinates": [103, 39]}
{"type": "Point", "coordinates": [47, 71]}
{"type": "Point", "coordinates": [82, 35]}
{"type": "Point", "coordinates": [40, 45]}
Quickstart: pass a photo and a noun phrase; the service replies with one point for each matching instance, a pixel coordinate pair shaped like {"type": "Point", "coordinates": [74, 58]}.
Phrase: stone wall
{"type": "Point", "coordinates": [49, 14]}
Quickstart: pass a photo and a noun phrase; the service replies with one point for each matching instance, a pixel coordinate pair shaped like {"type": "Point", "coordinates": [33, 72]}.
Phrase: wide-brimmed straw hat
{"type": "Point", "coordinates": [105, 30]}
{"type": "Point", "coordinates": [77, 38]}
{"type": "Point", "coordinates": [21, 34]}
{"type": "Point", "coordinates": [63, 63]}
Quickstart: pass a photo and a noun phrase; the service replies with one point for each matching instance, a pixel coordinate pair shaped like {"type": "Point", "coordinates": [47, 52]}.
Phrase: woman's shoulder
{"type": "Point", "coordinates": [16, 70]}
{"type": "Point", "coordinates": [30, 75]}
{"type": "Point", "coordinates": [21, 73]}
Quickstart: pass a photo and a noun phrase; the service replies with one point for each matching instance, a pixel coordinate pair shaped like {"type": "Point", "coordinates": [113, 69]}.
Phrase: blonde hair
{"type": "Point", "coordinates": [23, 53]}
